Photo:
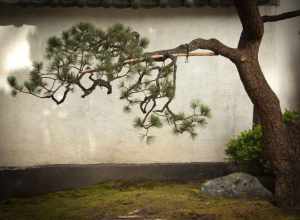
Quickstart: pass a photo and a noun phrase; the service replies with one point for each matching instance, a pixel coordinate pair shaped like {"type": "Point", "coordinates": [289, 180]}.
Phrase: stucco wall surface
{"type": "Point", "coordinates": [95, 129]}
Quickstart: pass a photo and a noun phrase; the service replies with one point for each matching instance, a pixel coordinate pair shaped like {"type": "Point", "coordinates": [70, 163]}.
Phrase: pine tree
{"type": "Point", "coordinates": [146, 84]}
{"type": "Point", "coordinates": [85, 55]}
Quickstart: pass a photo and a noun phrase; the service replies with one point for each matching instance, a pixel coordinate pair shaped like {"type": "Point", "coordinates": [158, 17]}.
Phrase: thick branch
{"type": "Point", "coordinates": [157, 56]}
{"type": "Point", "coordinates": [213, 45]}
{"type": "Point", "coordinates": [161, 56]}
{"type": "Point", "coordinates": [280, 17]}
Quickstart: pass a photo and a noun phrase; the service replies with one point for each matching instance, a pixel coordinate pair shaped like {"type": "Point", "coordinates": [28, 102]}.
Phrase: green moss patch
{"type": "Point", "coordinates": [165, 200]}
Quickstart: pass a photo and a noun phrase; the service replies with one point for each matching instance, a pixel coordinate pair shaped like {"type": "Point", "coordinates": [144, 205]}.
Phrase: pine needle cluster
{"type": "Point", "coordinates": [86, 58]}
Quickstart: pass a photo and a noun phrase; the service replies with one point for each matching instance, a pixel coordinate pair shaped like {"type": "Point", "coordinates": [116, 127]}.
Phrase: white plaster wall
{"type": "Point", "coordinates": [94, 129]}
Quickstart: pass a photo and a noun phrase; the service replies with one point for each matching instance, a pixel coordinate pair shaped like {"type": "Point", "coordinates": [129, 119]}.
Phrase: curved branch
{"type": "Point", "coordinates": [280, 17]}
{"type": "Point", "coordinates": [96, 82]}
{"type": "Point", "coordinates": [212, 44]}
{"type": "Point", "coordinates": [58, 102]}
{"type": "Point", "coordinates": [106, 84]}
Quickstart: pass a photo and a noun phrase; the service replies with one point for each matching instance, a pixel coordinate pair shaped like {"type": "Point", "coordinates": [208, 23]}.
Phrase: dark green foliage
{"type": "Point", "coordinates": [247, 148]}
{"type": "Point", "coordinates": [290, 116]}
{"type": "Point", "coordinates": [85, 53]}
{"type": "Point", "coordinates": [12, 81]}
{"type": "Point", "coordinates": [183, 123]}
{"type": "Point", "coordinates": [247, 151]}
{"type": "Point", "coordinates": [155, 121]}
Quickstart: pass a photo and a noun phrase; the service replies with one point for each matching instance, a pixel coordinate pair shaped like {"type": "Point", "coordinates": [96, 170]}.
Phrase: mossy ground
{"type": "Point", "coordinates": [165, 200]}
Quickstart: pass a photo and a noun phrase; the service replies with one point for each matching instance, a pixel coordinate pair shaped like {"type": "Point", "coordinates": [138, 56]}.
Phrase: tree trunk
{"type": "Point", "coordinates": [275, 136]}
{"type": "Point", "coordinates": [278, 149]}
{"type": "Point", "coordinates": [256, 119]}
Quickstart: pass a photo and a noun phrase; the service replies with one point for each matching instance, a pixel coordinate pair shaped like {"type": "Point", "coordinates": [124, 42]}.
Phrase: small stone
{"type": "Point", "coordinates": [236, 185]}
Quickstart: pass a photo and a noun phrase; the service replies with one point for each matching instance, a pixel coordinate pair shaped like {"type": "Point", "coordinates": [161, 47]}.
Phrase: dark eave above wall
{"type": "Point", "coordinates": [126, 3]}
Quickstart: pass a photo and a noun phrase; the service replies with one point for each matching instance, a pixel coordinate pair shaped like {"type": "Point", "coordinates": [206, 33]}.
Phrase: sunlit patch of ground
{"type": "Point", "coordinates": [145, 200]}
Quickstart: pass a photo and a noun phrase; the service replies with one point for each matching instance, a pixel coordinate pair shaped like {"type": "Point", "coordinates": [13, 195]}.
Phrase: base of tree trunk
{"type": "Point", "coordinates": [288, 186]}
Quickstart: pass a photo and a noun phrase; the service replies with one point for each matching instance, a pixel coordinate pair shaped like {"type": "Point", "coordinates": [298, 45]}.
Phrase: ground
{"type": "Point", "coordinates": [138, 200]}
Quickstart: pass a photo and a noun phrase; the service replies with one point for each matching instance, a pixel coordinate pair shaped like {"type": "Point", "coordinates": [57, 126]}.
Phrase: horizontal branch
{"type": "Point", "coordinates": [158, 56]}
{"type": "Point", "coordinates": [280, 17]}
{"type": "Point", "coordinates": [213, 45]}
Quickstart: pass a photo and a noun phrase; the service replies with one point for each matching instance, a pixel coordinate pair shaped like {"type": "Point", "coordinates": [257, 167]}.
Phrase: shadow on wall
{"type": "Point", "coordinates": [289, 44]}
{"type": "Point", "coordinates": [296, 68]}
{"type": "Point", "coordinates": [296, 64]}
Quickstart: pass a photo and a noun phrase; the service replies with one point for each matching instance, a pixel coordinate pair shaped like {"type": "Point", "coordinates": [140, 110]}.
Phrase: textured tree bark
{"type": "Point", "coordinates": [275, 136]}
{"type": "Point", "coordinates": [267, 105]}
{"type": "Point", "coordinates": [256, 119]}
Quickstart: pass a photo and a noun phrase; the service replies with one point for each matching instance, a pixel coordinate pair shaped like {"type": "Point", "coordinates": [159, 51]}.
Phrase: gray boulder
{"type": "Point", "coordinates": [236, 185]}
